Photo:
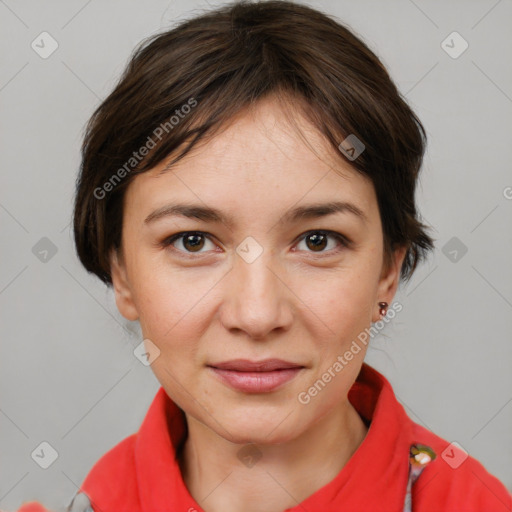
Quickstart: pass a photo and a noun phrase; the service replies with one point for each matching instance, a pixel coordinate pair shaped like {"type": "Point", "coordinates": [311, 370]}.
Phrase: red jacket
{"type": "Point", "coordinates": [140, 474]}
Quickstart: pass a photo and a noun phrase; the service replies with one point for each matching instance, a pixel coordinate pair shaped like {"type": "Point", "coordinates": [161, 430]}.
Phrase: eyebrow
{"type": "Point", "coordinates": [208, 214]}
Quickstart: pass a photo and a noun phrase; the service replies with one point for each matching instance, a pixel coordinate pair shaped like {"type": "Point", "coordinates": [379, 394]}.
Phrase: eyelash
{"type": "Point", "coordinates": [343, 241]}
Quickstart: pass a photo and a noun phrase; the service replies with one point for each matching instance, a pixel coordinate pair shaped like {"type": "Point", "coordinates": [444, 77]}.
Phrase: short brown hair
{"type": "Point", "coordinates": [218, 63]}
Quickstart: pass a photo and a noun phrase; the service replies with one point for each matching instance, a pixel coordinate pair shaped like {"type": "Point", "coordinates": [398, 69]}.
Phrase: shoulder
{"type": "Point", "coordinates": [456, 480]}
{"type": "Point", "coordinates": [111, 484]}
{"type": "Point", "coordinates": [32, 506]}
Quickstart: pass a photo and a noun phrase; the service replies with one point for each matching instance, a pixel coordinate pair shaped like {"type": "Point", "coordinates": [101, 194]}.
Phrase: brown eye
{"type": "Point", "coordinates": [192, 242]}
{"type": "Point", "coordinates": [317, 241]}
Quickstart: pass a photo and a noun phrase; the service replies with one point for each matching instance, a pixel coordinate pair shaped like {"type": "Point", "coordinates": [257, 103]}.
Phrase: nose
{"type": "Point", "coordinates": [256, 299]}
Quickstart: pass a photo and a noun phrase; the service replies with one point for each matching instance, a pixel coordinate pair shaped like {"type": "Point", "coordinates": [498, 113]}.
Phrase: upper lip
{"type": "Point", "coordinates": [245, 365]}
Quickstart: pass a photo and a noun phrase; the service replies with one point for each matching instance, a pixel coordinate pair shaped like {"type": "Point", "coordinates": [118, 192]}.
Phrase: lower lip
{"type": "Point", "coordinates": [256, 382]}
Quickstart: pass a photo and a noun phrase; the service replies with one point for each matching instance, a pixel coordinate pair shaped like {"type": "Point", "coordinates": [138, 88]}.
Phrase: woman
{"type": "Point", "coordinates": [248, 191]}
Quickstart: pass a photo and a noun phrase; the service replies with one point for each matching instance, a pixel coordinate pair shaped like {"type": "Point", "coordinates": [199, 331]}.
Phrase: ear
{"type": "Point", "coordinates": [389, 280]}
{"type": "Point", "coordinates": [122, 290]}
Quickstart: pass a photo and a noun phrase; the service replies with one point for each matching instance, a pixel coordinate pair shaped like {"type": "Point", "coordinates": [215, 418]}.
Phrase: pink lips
{"type": "Point", "coordinates": [256, 376]}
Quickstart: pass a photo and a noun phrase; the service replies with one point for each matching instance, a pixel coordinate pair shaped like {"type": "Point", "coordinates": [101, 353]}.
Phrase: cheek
{"type": "Point", "coordinates": [344, 300]}
{"type": "Point", "coordinates": [172, 303]}
{"type": "Point", "coordinates": [345, 306]}
{"type": "Point", "coordinates": [170, 313]}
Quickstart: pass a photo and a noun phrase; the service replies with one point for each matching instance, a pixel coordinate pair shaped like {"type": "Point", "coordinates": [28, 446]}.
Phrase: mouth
{"type": "Point", "coordinates": [256, 376]}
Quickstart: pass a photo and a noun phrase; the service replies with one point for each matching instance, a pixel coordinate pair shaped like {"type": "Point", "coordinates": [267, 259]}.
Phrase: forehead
{"type": "Point", "coordinates": [268, 133]}
{"type": "Point", "coordinates": [264, 158]}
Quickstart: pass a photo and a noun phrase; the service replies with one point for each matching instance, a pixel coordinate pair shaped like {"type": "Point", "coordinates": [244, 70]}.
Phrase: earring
{"type": "Point", "coordinates": [383, 308]}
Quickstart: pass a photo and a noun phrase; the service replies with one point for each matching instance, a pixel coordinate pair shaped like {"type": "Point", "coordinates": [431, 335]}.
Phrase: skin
{"type": "Point", "coordinates": [295, 302]}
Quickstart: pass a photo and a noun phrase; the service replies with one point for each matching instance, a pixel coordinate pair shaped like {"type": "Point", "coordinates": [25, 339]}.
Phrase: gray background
{"type": "Point", "coordinates": [68, 373]}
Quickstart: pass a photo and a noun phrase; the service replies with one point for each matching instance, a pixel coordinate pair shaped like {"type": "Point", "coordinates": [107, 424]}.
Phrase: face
{"type": "Point", "coordinates": [251, 280]}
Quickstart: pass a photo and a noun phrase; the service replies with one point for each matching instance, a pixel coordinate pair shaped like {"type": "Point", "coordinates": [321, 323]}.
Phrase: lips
{"type": "Point", "coordinates": [245, 365]}
{"type": "Point", "coordinates": [256, 376]}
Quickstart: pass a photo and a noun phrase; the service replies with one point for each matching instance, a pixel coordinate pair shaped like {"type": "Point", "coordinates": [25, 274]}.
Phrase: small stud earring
{"type": "Point", "coordinates": [383, 308]}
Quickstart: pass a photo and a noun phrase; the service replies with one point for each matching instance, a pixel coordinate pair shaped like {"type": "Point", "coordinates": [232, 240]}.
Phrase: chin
{"type": "Point", "coordinates": [258, 427]}
{"type": "Point", "coordinates": [256, 436]}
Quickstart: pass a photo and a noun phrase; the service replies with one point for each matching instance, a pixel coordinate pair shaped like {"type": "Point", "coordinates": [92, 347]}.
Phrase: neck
{"type": "Point", "coordinates": [285, 474]}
